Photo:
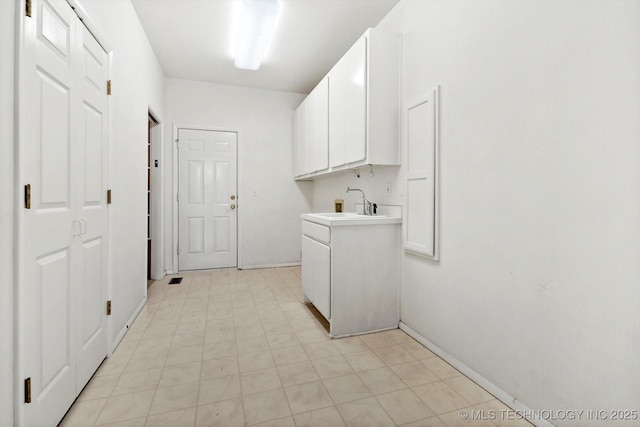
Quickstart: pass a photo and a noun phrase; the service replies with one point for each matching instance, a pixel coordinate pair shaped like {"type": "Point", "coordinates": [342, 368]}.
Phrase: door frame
{"type": "Point", "coordinates": [175, 188]}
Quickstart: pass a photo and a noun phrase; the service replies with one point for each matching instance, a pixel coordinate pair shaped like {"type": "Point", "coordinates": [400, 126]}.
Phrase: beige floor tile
{"type": "Point", "coordinates": [220, 367]}
{"type": "Point", "coordinates": [297, 373]}
{"type": "Point", "coordinates": [226, 413]}
{"type": "Point", "coordinates": [288, 339]}
{"type": "Point", "coordinates": [414, 373]}
{"type": "Point", "coordinates": [427, 422]}
{"type": "Point", "coordinates": [83, 413]}
{"type": "Point", "coordinates": [113, 365]}
{"type": "Point", "coordinates": [331, 367]}
{"type": "Point", "coordinates": [277, 328]}
{"type": "Point", "coordinates": [137, 381]}
{"type": "Point", "coordinates": [187, 340]}
{"type": "Point", "coordinates": [364, 360]}
{"type": "Point", "coordinates": [476, 419]}
{"type": "Point", "coordinates": [99, 387]}
{"type": "Point", "coordinates": [125, 348]}
{"type": "Point", "coordinates": [242, 346]}
{"type": "Point", "coordinates": [280, 422]}
{"type": "Point", "coordinates": [364, 413]}
{"type": "Point", "coordinates": [255, 361]}
{"type": "Point", "coordinates": [404, 406]}
{"type": "Point", "coordinates": [440, 398]}
{"type": "Point", "coordinates": [466, 388]}
{"type": "Point", "coordinates": [417, 350]}
{"type": "Point", "coordinates": [381, 380]}
{"type": "Point", "coordinates": [289, 355]}
{"type": "Point", "coordinates": [142, 361]}
{"type": "Point", "coordinates": [216, 350]}
{"type": "Point", "coordinates": [394, 355]}
{"type": "Point", "coordinates": [399, 336]}
{"type": "Point", "coordinates": [320, 350]}
{"type": "Point", "coordinates": [126, 407]}
{"type": "Point", "coordinates": [218, 389]}
{"type": "Point", "coordinates": [377, 340]}
{"type": "Point", "coordinates": [147, 345]}
{"type": "Point", "coordinates": [350, 345]}
{"type": "Point", "coordinates": [327, 417]}
{"type": "Point", "coordinates": [307, 397]}
{"type": "Point", "coordinates": [183, 355]}
{"type": "Point", "coordinates": [441, 368]}
{"type": "Point", "coordinates": [310, 335]}
{"type": "Point", "coordinates": [265, 406]}
{"type": "Point", "coordinates": [180, 374]}
{"type": "Point", "coordinates": [346, 388]}
{"type": "Point", "coordinates": [182, 418]}
{"type": "Point", "coordinates": [259, 381]}
{"type": "Point", "coordinates": [160, 330]}
{"type": "Point", "coordinates": [225, 335]}
{"type": "Point", "coordinates": [138, 422]}
{"type": "Point", "coordinates": [175, 397]}
{"type": "Point", "coordinates": [251, 344]}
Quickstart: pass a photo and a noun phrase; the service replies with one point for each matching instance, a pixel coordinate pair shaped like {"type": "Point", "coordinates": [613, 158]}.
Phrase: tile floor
{"type": "Point", "coordinates": [233, 348]}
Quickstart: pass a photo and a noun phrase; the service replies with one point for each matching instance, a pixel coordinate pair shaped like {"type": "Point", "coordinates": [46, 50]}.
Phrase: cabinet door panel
{"type": "Point", "coordinates": [355, 101]}
{"type": "Point", "coordinates": [321, 98]}
{"type": "Point", "coordinates": [316, 275]}
{"type": "Point", "coordinates": [336, 115]}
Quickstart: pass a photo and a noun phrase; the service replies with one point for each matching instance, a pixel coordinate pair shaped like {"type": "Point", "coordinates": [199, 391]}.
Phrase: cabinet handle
{"type": "Point", "coordinates": [233, 206]}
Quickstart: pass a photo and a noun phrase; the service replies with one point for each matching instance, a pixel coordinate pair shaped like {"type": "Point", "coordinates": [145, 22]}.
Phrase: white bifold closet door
{"type": "Point", "coordinates": [63, 233]}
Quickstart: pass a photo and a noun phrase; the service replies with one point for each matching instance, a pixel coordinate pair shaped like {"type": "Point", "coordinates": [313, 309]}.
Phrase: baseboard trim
{"type": "Point", "coordinates": [502, 395]}
{"type": "Point", "coordinates": [253, 267]}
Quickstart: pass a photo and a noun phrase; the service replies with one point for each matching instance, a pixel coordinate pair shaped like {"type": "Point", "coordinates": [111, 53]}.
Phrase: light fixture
{"type": "Point", "coordinates": [257, 19]}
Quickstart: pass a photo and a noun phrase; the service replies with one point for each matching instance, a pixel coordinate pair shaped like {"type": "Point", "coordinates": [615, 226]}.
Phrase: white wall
{"type": "Point", "coordinates": [7, 29]}
{"type": "Point", "coordinates": [269, 201]}
{"type": "Point", "coordinates": [138, 82]}
{"type": "Point", "coordinates": [538, 287]}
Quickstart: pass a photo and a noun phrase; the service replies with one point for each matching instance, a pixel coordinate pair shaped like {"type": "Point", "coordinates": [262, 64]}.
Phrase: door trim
{"type": "Point", "coordinates": [175, 187]}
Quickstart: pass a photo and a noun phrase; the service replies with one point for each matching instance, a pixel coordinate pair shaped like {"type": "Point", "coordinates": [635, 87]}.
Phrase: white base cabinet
{"type": "Point", "coordinates": [352, 275]}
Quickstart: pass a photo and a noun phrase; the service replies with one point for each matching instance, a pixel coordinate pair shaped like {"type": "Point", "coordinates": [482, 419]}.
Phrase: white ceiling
{"type": "Point", "coordinates": [192, 39]}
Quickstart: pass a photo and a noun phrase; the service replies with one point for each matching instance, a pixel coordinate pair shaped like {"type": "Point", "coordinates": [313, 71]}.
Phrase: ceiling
{"type": "Point", "coordinates": [192, 39]}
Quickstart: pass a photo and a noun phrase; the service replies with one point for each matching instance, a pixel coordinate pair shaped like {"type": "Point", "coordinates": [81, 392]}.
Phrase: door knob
{"type": "Point", "coordinates": [233, 206]}
{"type": "Point", "coordinates": [233, 197]}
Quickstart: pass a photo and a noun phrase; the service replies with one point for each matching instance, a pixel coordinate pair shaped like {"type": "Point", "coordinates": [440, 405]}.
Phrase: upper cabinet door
{"type": "Point", "coordinates": [301, 112]}
{"type": "Point", "coordinates": [336, 115]}
{"type": "Point", "coordinates": [355, 102]}
{"type": "Point", "coordinates": [321, 98]}
{"type": "Point", "coordinates": [348, 107]}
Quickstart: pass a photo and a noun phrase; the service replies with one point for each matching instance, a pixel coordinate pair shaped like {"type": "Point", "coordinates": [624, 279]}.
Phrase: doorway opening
{"type": "Point", "coordinates": [151, 123]}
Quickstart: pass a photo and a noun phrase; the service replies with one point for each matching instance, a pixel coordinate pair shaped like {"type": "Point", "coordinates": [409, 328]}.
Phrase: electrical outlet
{"type": "Point", "coordinates": [388, 189]}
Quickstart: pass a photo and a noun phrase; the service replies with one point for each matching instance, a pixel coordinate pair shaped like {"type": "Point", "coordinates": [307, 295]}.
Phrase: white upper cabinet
{"type": "Point", "coordinates": [362, 110]}
{"type": "Point", "coordinates": [348, 106]}
{"type": "Point", "coordinates": [311, 132]}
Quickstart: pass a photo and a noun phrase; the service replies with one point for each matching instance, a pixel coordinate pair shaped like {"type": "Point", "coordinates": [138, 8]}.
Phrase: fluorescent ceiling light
{"type": "Point", "coordinates": [257, 19]}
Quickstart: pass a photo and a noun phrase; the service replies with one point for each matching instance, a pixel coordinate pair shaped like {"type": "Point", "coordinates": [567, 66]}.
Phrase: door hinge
{"type": "Point", "coordinates": [27, 196]}
{"type": "Point", "coordinates": [109, 308]}
{"type": "Point", "coordinates": [177, 197]}
{"type": "Point", "coordinates": [178, 250]}
{"type": "Point", "coordinates": [27, 390]}
{"type": "Point", "coordinates": [108, 87]}
{"type": "Point", "coordinates": [109, 196]}
{"type": "Point", "coordinates": [27, 8]}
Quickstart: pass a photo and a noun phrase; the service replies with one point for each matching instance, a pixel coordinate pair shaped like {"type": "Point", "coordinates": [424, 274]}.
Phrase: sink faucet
{"type": "Point", "coordinates": [366, 205]}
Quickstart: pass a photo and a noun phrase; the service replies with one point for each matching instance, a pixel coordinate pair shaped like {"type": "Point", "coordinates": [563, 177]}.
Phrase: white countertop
{"type": "Point", "coordinates": [333, 219]}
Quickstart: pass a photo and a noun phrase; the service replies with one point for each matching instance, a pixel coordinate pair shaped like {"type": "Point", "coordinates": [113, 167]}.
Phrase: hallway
{"type": "Point", "coordinates": [233, 348]}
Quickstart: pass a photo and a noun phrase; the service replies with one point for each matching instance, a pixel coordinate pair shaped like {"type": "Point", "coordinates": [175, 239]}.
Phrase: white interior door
{"type": "Point", "coordinates": [207, 199]}
{"type": "Point", "coordinates": [92, 170]}
{"type": "Point", "coordinates": [62, 234]}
